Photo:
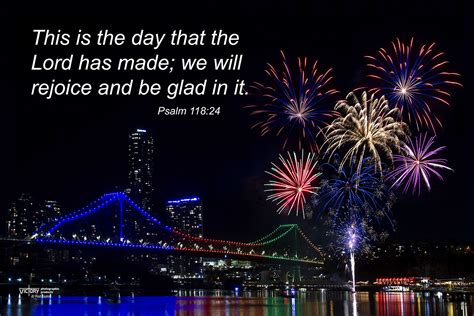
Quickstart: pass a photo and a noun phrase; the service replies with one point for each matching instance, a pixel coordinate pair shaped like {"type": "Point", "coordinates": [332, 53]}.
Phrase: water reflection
{"type": "Point", "coordinates": [264, 303]}
{"type": "Point", "coordinates": [354, 304]}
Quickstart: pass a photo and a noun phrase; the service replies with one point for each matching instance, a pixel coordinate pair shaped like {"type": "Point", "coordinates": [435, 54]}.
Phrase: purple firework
{"type": "Point", "coordinates": [418, 164]}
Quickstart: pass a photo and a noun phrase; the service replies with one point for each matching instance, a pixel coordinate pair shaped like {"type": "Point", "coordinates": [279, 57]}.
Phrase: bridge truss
{"type": "Point", "coordinates": [112, 221]}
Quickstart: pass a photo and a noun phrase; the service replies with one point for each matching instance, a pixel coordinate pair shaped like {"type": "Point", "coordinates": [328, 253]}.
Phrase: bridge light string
{"type": "Point", "coordinates": [101, 243]}
{"type": "Point", "coordinates": [80, 213]}
{"type": "Point", "coordinates": [213, 241]}
{"type": "Point", "coordinates": [280, 236]}
{"type": "Point", "coordinates": [179, 233]}
{"type": "Point", "coordinates": [185, 249]}
{"type": "Point", "coordinates": [102, 202]}
{"type": "Point", "coordinates": [117, 195]}
{"type": "Point", "coordinates": [249, 255]}
{"type": "Point", "coordinates": [185, 235]}
{"type": "Point", "coordinates": [266, 237]}
{"type": "Point", "coordinates": [317, 249]}
{"type": "Point", "coordinates": [143, 212]}
{"type": "Point", "coordinates": [291, 227]}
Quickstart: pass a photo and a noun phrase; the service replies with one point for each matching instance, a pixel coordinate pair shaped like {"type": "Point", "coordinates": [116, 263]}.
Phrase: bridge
{"type": "Point", "coordinates": [115, 221]}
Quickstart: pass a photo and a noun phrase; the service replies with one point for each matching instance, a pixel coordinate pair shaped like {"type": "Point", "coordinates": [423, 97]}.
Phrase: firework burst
{"type": "Point", "coordinates": [413, 79]}
{"type": "Point", "coordinates": [298, 103]}
{"type": "Point", "coordinates": [351, 235]}
{"type": "Point", "coordinates": [366, 128]}
{"type": "Point", "coordinates": [364, 193]}
{"type": "Point", "coordinates": [418, 163]}
{"type": "Point", "coordinates": [292, 182]}
{"type": "Point", "coordinates": [352, 231]}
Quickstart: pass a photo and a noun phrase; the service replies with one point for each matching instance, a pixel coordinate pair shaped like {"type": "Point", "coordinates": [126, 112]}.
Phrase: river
{"type": "Point", "coordinates": [216, 303]}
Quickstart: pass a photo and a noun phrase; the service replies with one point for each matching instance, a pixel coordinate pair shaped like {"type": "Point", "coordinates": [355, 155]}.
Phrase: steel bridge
{"type": "Point", "coordinates": [111, 221]}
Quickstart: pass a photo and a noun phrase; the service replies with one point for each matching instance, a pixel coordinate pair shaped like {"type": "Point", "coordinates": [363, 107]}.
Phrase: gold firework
{"type": "Point", "coordinates": [366, 128]}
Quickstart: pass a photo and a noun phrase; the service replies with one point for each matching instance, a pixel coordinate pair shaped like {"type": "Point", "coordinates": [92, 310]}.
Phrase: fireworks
{"type": "Point", "coordinates": [367, 128]}
{"type": "Point", "coordinates": [349, 232]}
{"type": "Point", "coordinates": [297, 102]}
{"type": "Point", "coordinates": [292, 182]}
{"type": "Point", "coordinates": [418, 164]}
{"type": "Point", "coordinates": [364, 192]}
{"type": "Point", "coordinates": [351, 235]}
{"type": "Point", "coordinates": [414, 80]}
{"type": "Point", "coordinates": [353, 232]}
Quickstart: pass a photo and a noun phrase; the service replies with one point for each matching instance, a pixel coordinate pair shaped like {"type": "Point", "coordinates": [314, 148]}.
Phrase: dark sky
{"type": "Point", "coordinates": [74, 149]}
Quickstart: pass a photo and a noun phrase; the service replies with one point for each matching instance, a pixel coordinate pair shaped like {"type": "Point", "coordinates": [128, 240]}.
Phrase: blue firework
{"type": "Point", "coordinates": [348, 191]}
{"type": "Point", "coordinates": [353, 232]}
{"type": "Point", "coordinates": [297, 102]}
{"type": "Point", "coordinates": [414, 79]}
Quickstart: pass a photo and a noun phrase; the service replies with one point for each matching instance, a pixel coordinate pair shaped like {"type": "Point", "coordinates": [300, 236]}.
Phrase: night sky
{"type": "Point", "coordinates": [74, 149]}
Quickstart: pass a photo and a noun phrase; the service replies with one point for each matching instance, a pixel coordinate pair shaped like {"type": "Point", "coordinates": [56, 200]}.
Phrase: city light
{"type": "Point", "coordinates": [193, 199]}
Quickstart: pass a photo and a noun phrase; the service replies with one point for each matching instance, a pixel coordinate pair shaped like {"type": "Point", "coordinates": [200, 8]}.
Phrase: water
{"type": "Point", "coordinates": [266, 303]}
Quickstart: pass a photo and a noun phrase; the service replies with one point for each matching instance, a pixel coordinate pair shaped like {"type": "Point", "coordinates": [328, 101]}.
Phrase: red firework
{"type": "Point", "coordinates": [292, 182]}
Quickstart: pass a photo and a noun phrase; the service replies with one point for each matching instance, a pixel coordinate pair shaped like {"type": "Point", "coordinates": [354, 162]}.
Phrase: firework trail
{"type": "Point", "coordinates": [292, 181]}
{"type": "Point", "coordinates": [415, 80]}
{"type": "Point", "coordinates": [352, 235]}
{"type": "Point", "coordinates": [364, 193]}
{"type": "Point", "coordinates": [298, 103]}
{"type": "Point", "coordinates": [366, 128]}
{"type": "Point", "coordinates": [418, 164]}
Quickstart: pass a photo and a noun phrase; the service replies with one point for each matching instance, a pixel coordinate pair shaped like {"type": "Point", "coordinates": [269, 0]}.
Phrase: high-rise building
{"type": "Point", "coordinates": [186, 216]}
{"type": "Point", "coordinates": [26, 215]}
{"type": "Point", "coordinates": [140, 171]}
{"type": "Point", "coordinates": [19, 216]}
{"type": "Point", "coordinates": [140, 176]}
{"type": "Point", "coordinates": [52, 210]}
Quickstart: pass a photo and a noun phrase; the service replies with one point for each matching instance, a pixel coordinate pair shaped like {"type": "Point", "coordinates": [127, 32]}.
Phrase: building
{"type": "Point", "coordinates": [186, 216]}
{"type": "Point", "coordinates": [26, 215]}
{"type": "Point", "coordinates": [140, 176]}
{"type": "Point", "coordinates": [140, 171]}
{"type": "Point", "coordinates": [52, 210]}
{"type": "Point", "coordinates": [19, 216]}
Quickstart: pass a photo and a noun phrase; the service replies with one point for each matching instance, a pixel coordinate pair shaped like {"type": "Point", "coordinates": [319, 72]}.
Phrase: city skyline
{"type": "Point", "coordinates": [26, 215]}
